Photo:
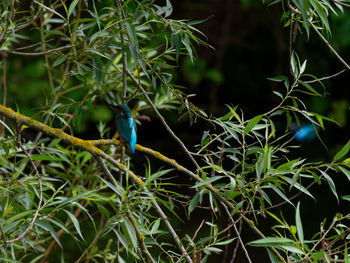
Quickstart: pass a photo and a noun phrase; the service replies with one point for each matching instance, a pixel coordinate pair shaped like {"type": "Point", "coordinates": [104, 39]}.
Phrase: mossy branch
{"type": "Point", "coordinates": [89, 146]}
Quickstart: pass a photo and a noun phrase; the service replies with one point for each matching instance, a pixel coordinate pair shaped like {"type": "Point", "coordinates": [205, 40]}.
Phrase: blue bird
{"type": "Point", "coordinates": [126, 126]}
{"type": "Point", "coordinates": [305, 133]}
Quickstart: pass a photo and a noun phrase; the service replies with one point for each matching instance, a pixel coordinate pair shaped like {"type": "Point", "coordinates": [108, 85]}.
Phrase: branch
{"type": "Point", "coordinates": [36, 53]}
{"type": "Point", "coordinates": [325, 78]}
{"type": "Point", "coordinates": [322, 38]}
{"type": "Point", "coordinates": [330, 47]}
{"type": "Point", "coordinates": [88, 146]}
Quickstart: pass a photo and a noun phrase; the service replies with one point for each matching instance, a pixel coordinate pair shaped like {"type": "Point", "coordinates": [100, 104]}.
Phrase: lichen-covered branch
{"type": "Point", "coordinates": [90, 147]}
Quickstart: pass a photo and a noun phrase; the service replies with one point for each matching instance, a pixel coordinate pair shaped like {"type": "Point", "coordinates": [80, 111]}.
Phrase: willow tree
{"type": "Point", "coordinates": [64, 198]}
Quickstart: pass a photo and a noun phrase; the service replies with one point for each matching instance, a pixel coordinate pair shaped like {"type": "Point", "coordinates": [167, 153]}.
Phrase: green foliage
{"type": "Point", "coordinates": [91, 52]}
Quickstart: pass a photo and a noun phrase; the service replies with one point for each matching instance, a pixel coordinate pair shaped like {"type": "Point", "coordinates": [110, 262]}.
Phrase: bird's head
{"type": "Point", "coordinates": [122, 110]}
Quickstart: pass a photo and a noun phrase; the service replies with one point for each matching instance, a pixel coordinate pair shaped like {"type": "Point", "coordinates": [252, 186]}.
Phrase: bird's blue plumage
{"type": "Point", "coordinates": [305, 133]}
{"type": "Point", "coordinates": [126, 126]}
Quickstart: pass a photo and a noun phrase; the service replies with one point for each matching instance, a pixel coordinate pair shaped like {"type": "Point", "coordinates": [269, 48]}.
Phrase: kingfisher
{"type": "Point", "coordinates": [305, 133]}
{"type": "Point", "coordinates": [126, 126]}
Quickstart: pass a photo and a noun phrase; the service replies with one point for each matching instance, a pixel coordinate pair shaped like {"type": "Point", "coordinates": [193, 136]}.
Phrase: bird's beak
{"type": "Point", "coordinates": [113, 106]}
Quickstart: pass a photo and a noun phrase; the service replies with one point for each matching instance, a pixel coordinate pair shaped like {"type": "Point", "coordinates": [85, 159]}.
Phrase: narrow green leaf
{"type": "Point", "coordinates": [129, 231]}
{"type": "Point", "coordinates": [207, 181]}
{"type": "Point", "coordinates": [342, 152]}
{"type": "Point", "coordinates": [49, 228]}
{"type": "Point", "coordinates": [132, 35]}
{"type": "Point", "coordinates": [155, 226]}
{"type": "Point", "coordinates": [272, 257]}
{"type": "Point", "coordinates": [316, 257]}
{"type": "Point", "coordinates": [311, 89]}
{"type": "Point", "coordinates": [113, 187]}
{"type": "Point", "coordinates": [280, 193]}
{"type": "Point", "coordinates": [194, 202]}
{"type": "Point", "coordinates": [252, 123]}
{"type": "Point", "coordinates": [346, 197]}
{"type": "Point", "coordinates": [59, 61]}
{"type": "Point", "coordinates": [345, 171]}
{"type": "Point", "coordinates": [186, 42]}
{"type": "Point", "coordinates": [270, 242]}
{"type": "Point", "coordinates": [225, 242]}
{"type": "Point", "coordinates": [75, 223]}
{"type": "Point", "coordinates": [299, 225]}
{"type": "Point", "coordinates": [298, 186]}
{"type": "Point", "coordinates": [72, 7]}
{"type": "Point", "coordinates": [346, 254]}
{"type": "Point", "coordinates": [321, 13]}
{"type": "Point", "coordinates": [157, 175]}
{"type": "Point", "coordinates": [331, 184]}
{"type": "Point", "coordinates": [51, 10]}
{"type": "Point", "coordinates": [301, 6]}
{"type": "Point", "coordinates": [293, 249]}
{"type": "Point", "coordinates": [237, 207]}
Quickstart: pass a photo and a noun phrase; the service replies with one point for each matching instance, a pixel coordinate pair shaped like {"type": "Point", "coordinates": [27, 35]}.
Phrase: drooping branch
{"type": "Point", "coordinates": [90, 147]}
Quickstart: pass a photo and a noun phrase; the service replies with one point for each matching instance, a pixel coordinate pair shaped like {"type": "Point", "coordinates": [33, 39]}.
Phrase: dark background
{"type": "Point", "coordinates": [250, 44]}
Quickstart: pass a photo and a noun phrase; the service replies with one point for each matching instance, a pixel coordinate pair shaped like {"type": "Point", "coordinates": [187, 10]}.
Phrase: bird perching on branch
{"type": "Point", "coordinates": [126, 126]}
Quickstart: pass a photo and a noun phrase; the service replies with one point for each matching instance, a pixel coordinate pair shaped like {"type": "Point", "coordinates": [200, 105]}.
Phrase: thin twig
{"type": "Point", "coordinates": [237, 243]}
{"type": "Point", "coordinates": [238, 234]}
{"type": "Point", "coordinates": [325, 78]}
{"type": "Point", "coordinates": [177, 139]}
{"type": "Point", "coordinates": [35, 53]}
{"type": "Point", "coordinates": [324, 40]}
{"type": "Point", "coordinates": [330, 47]}
{"type": "Point", "coordinates": [93, 243]}
{"type": "Point", "coordinates": [241, 243]}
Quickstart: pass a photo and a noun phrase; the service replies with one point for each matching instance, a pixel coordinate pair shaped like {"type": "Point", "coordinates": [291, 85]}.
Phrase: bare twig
{"type": "Point", "coordinates": [237, 243]}
{"type": "Point", "coordinates": [93, 243]}
{"type": "Point", "coordinates": [238, 234]}
{"type": "Point", "coordinates": [325, 78]}
{"type": "Point", "coordinates": [330, 47]}
{"type": "Point", "coordinates": [36, 53]}
{"type": "Point", "coordinates": [241, 243]}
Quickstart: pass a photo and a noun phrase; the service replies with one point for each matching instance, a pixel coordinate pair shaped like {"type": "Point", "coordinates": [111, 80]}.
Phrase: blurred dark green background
{"type": "Point", "coordinates": [249, 44]}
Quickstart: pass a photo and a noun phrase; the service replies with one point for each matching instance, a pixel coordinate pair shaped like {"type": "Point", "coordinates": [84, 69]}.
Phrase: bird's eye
{"type": "Point", "coordinates": [121, 113]}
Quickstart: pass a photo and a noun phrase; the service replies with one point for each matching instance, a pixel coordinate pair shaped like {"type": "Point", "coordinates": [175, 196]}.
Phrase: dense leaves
{"type": "Point", "coordinates": [63, 198]}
